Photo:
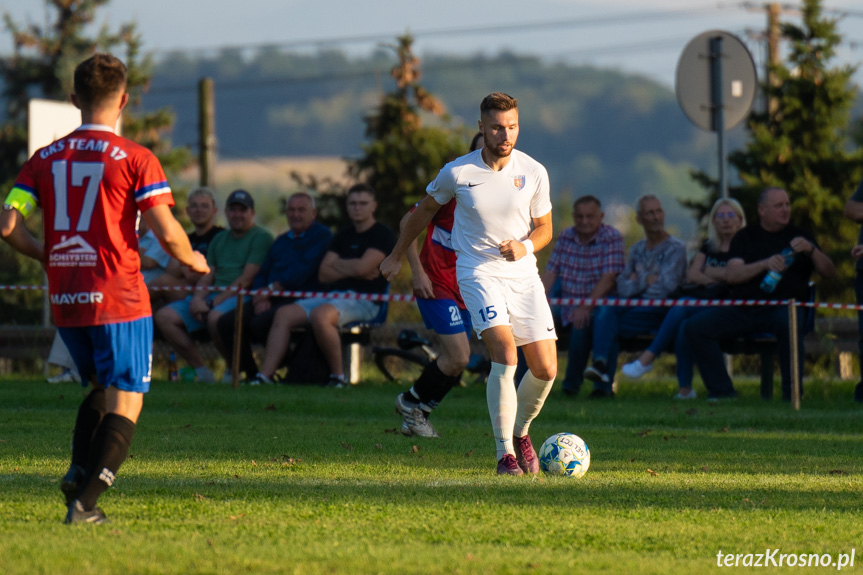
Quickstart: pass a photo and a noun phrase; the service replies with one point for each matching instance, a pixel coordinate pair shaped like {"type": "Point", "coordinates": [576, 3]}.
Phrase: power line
{"type": "Point", "coordinates": [454, 63]}
{"type": "Point", "coordinates": [606, 20]}
{"type": "Point", "coordinates": [593, 51]}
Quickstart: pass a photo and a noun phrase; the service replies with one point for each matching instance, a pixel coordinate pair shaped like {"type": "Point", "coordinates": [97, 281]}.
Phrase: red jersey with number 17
{"type": "Point", "coordinates": [90, 186]}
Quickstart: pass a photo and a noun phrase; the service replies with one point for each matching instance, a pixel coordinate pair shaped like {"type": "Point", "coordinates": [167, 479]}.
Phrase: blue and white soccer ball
{"type": "Point", "coordinates": [564, 454]}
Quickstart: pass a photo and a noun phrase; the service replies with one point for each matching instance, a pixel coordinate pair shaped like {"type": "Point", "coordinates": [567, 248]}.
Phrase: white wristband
{"type": "Point", "coordinates": [528, 245]}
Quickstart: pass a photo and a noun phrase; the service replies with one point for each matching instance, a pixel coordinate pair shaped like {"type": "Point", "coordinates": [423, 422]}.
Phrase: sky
{"type": "Point", "coordinates": [633, 36]}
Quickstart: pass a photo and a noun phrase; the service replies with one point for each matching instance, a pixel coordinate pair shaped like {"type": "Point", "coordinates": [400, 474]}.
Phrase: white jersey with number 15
{"type": "Point", "coordinates": [492, 207]}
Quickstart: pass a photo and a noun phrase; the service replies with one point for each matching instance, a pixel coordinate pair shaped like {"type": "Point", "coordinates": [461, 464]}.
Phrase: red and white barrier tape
{"type": "Point", "coordinates": [620, 302]}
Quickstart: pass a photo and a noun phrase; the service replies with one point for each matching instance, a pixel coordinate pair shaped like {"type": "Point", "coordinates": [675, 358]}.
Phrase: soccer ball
{"type": "Point", "coordinates": [564, 454]}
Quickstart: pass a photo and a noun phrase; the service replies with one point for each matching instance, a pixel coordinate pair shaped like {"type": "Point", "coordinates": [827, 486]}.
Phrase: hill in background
{"type": "Point", "coordinates": [599, 132]}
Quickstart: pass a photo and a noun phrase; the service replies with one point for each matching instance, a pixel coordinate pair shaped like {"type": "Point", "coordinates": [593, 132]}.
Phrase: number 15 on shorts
{"type": "Point", "coordinates": [487, 313]}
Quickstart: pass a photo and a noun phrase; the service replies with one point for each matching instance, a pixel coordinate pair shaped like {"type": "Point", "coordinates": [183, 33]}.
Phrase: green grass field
{"type": "Point", "coordinates": [312, 480]}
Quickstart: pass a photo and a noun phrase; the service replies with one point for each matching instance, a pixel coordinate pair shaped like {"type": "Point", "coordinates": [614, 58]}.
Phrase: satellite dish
{"type": "Point", "coordinates": [694, 81]}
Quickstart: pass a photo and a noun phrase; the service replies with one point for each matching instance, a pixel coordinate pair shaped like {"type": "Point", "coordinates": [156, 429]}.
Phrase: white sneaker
{"type": "Point", "coordinates": [691, 395]}
{"type": "Point", "coordinates": [635, 370]}
{"type": "Point", "coordinates": [65, 376]}
{"type": "Point", "coordinates": [261, 379]}
{"type": "Point", "coordinates": [414, 420]}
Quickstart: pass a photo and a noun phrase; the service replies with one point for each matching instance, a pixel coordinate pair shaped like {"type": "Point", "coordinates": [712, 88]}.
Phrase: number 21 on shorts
{"type": "Point", "coordinates": [488, 313]}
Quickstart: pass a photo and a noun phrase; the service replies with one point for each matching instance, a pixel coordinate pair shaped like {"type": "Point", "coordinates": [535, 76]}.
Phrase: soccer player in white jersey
{"type": "Point", "coordinates": [503, 215]}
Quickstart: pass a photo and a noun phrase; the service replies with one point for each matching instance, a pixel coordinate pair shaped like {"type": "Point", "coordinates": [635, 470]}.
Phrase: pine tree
{"type": "Point", "coordinates": [804, 146]}
{"type": "Point", "coordinates": [408, 140]}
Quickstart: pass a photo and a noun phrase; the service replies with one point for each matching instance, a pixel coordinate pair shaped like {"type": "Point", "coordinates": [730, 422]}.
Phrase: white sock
{"type": "Point", "coordinates": [531, 397]}
{"type": "Point", "coordinates": [502, 402]}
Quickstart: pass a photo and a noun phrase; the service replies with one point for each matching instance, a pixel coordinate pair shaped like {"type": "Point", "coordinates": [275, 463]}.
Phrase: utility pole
{"type": "Point", "coordinates": [773, 11]}
{"type": "Point", "coordinates": [774, 33]}
{"type": "Point", "coordinates": [206, 132]}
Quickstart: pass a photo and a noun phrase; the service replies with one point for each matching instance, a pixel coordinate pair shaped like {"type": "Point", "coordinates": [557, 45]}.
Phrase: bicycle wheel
{"type": "Point", "coordinates": [400, 365]}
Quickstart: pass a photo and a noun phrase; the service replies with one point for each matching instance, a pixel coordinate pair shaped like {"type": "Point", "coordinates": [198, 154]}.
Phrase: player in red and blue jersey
{"type": "Point", "coordinates": [443, 311]}
{"type": "Point", "coordinates": [90, 185]}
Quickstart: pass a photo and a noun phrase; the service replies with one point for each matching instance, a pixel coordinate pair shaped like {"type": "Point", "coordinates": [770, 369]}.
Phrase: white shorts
{"type": "Point", "coordinates": [520, 303]}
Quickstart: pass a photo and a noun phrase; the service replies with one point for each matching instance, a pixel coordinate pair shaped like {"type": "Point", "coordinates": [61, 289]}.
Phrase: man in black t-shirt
{"type": "Point", "coordinates": [350, 265]}
{"type": "Point", "coordinates": [754, 252]}
{"type": "Point", "coordinates": [202, 210]}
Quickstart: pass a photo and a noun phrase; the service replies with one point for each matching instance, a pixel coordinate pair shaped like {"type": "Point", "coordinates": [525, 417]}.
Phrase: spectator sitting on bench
{"type": "Point", "coordinates": [656, 266]}
{"type": "Point", "coordinates": [291, 265]}
{"type": "Point", "coordinates": [350, 265]}
{"type": "Point", "coordinates": [754, 252]}
{"type": "Point", "coordinates": [201, 209]}
{"type": "Point", "coordinates": [706, 277]}
{"type": "Point", "coordinates": [235, 255]}
{"type": "Point", "coordinates": [587, 259]}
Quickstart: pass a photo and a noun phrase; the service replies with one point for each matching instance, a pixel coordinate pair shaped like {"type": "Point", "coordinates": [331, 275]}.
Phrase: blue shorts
{"type": "Point", "coordinates": [193, 325]}
{"type": "Point", "coordinates": [444, 316]}
{"type": "Point", "coordinates": [118, 354]}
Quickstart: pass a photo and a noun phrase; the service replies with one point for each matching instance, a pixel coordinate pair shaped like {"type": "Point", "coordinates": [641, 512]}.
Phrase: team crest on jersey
{"type": "Point", "coordinates": [518, 182]}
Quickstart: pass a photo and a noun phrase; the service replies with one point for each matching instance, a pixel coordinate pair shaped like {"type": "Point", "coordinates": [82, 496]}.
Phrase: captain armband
{"type": "Point", "coordinates": [21, 200]}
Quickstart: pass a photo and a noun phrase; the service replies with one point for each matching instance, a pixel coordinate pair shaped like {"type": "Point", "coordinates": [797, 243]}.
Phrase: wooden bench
{"type": "Point", "coordinates": [824, 336]}
{"type": "Point", "coordinates": [354, 336]}
{"type": "Point", "coordinates": [831, 336]}
{"type": "Point", "coordinates": [762, 345]}
{"type": "Point", "coordinates": [19, 343]}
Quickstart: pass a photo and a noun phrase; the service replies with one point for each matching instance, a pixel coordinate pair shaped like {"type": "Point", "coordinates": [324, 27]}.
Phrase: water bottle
{"type": "Point", "coordinates": [173, 374]}
{"type": "Point", "coordinates": [772, 278]}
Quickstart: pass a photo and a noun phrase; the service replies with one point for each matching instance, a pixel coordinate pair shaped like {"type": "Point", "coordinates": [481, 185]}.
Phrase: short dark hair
{"type": "Point", "coordinates": [497, 101]}
{"type": "Point", "coordinates": [202, 191]}
{"type": "Point", "coordinates": [588, 199]}
{"type": "Point", "coordinates": [97, 78]}
{"type": "Point", "coordinates": [762, 197]}
{"type": "Point", "coordinates": [475, 142]}
{"type": "Point", "coordinates": [361, 188]}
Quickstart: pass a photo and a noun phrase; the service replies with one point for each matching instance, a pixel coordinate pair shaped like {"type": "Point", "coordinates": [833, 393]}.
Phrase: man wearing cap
{"type": "Point", "coordinates": [235, 255]}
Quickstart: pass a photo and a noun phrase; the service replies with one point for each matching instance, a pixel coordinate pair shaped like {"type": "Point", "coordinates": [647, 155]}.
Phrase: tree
{"type": "Point", "coordinates": [42, 65]}
{"type": "Point", "coordinates": [404, 153]}
{"type": "Point", "coordinates": [804, 145]}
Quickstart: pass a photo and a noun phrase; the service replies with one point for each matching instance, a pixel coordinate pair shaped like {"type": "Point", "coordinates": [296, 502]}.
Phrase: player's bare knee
{"type": "Point", "coordinates": [504, 357]}
{"type": "Point", "coordinates": [460, 363]}
{"type": "Point", "coordinates": [452, 365]}
{"type": "Point", "coordinates": [545, 374]}
{"type": "Point", "coordinates": [544, 370]}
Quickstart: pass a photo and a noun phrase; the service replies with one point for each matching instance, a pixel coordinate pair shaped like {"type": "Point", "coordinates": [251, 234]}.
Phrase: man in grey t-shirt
{"type": "Point", "coordinates": [656, 266]}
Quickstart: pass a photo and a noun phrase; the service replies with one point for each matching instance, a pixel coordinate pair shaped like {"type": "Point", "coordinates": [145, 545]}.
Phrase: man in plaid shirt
{"type": "Point", "coordinates": [586, 260]}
